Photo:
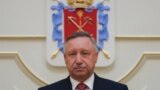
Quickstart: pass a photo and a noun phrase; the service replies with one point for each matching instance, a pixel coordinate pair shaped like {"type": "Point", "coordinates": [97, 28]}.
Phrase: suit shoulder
{"type": "Point", "coordinates": [55, 86]}
{"type": "Point", "coordinates": [112, 84]}
{"type": "Point", "coordinates": [109, 81]}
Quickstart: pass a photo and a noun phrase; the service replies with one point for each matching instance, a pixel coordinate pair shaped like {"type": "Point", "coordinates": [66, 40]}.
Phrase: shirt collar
{"type": "Point", "coordinates": [89, 82]}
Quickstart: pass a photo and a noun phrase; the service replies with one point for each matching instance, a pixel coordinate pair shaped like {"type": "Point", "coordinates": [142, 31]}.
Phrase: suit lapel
{"type": "Point", "coordinates": [68, 85]}
{"type": "Point", "coordinates": [96, 84]}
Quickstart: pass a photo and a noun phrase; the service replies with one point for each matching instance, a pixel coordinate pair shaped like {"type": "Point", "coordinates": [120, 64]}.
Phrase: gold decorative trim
{"type": "Point", "coordinates": [138, 64]}
{"type": "Point", "coordinates": [137, 36]}
{"type": "Point", "coordinates": [44, 36]}
{"type": "Point", "coordinates": [24, 65]}
{"type": "Point", "coordinates": [22, 37]}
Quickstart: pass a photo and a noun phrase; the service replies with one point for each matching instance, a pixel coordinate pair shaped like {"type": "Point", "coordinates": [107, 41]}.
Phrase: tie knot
{"type": "Point", "coordinates": [81, 86]}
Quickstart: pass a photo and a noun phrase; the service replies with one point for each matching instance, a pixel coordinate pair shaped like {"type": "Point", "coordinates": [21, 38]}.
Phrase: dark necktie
{"type": "Point", "coordinates": [81, 86]}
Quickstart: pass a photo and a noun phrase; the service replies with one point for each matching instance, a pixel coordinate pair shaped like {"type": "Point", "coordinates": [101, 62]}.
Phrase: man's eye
{"type": "Point", "coordinates": [72, 54]}
{"type": "Point", "coordinates": [85, 53]}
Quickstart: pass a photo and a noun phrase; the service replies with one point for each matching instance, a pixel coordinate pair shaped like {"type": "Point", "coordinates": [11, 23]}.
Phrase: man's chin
{"type": "Point", "coordinates": [80, 73]}
{"type": "Point", "coordinates": [80, 76]}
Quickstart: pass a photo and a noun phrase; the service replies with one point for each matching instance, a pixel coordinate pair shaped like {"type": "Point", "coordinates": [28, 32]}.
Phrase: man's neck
{"type": "Point", "coordinates": [82, 78]}
{"type": "Point", "coordinates": [89, 81]}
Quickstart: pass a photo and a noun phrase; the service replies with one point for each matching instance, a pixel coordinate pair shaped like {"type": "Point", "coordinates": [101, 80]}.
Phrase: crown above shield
{"type": "Point", "coordinates": [80, 3]}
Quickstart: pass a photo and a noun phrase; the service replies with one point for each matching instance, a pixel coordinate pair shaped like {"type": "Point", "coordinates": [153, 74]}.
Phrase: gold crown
{"type": "Point", "coordinates": [80, 3]}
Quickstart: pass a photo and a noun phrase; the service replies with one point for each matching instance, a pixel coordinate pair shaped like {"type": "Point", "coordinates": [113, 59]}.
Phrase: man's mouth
{"type": "Point", "coordinates": [79, 69]}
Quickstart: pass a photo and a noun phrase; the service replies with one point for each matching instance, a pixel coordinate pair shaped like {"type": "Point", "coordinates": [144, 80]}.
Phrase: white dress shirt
{"type": "Point", "coordinates": [89, 82]}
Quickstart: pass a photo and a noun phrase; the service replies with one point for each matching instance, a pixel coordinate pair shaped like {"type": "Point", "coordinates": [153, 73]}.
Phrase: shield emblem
{"type": "Point", "coordinates": [64, 20]}
{"type": "Point", "coordinates": [80, 20]}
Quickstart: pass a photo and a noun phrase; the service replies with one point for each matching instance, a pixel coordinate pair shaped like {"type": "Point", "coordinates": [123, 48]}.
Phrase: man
{"type": "Point", "coordinates": [80, 54]}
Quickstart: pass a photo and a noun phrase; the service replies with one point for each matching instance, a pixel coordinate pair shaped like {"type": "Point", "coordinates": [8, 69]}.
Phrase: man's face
{"type": "Point", "coordinates": [80, 57]}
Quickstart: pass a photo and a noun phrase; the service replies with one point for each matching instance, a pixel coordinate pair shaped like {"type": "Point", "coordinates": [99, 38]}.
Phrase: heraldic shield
{"type": "Point", "coordinates": [77, 16]}
{"type": "Point", "coordinates": [80, 20]}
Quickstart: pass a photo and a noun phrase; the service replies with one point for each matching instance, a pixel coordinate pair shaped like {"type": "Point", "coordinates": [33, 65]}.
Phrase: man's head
{"type": "Point", "coordinates": [80, 54]}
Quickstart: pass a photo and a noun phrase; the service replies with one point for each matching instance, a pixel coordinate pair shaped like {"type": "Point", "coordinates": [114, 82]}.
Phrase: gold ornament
{"type": "Point", "coordinates": [80, 3]}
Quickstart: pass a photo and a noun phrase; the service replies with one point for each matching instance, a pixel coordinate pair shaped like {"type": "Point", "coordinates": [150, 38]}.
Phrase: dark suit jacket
{"type": "Point", "coordinates": [99, 84]}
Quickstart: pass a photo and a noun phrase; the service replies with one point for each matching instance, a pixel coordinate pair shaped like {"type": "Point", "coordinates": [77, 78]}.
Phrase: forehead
{"type": "Point", "coordinates": [79, 42]}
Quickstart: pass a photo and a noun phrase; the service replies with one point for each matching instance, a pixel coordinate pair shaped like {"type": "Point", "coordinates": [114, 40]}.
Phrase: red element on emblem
{"type": "Point", "coordinates": [80, 20]}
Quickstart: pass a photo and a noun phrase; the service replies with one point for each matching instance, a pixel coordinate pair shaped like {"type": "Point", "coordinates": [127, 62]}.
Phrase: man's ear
{"type": "Point", "coordinates": [64, 55]}
{"type": "Point", "coordinates": [96, 55]}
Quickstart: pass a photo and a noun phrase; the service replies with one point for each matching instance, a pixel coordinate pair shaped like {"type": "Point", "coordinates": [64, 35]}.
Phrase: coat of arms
{"type": "Point", "coordinates": [80, 15]}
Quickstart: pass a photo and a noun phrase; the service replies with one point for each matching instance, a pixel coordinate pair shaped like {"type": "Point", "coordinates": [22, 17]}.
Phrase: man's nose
{"type": "Point", "coordinates": [79, 59]}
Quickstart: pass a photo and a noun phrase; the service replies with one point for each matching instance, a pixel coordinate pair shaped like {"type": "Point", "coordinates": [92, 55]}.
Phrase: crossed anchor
{"type": "Point", "coordinates": [80, 27]}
